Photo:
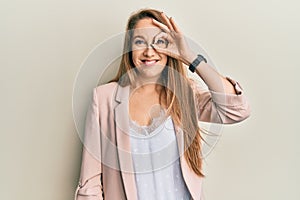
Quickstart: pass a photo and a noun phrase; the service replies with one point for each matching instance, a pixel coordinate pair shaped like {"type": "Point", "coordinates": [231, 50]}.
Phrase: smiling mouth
{"type": "Point", "coordinates": [149, 62]}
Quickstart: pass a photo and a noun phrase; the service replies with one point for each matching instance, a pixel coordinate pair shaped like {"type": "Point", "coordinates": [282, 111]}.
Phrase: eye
{"type": "Point", "coordinates": [139, 42]}
{"type": "Point", "coordinates": [160, 41]}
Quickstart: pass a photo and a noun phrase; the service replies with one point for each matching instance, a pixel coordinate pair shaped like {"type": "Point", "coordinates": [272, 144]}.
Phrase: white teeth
{"type": "Point", "coordinates": [150, 62]}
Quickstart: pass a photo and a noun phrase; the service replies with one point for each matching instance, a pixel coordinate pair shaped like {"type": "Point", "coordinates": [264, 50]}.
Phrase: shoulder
{"type": "Point", "coordinates": [106, 89]}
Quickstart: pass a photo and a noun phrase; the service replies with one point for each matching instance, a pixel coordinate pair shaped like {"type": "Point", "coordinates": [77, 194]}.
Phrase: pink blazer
{"type": "Point", "coordinates": [106, 164]}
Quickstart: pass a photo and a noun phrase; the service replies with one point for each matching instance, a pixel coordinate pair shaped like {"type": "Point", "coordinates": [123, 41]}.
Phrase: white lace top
{"type": "Point", "coordinates": [156, 160]}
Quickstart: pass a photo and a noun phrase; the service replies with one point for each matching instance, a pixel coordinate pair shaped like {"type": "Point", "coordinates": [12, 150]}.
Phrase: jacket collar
{"type": "Point", "coordinates": [122, 93]}
{"type": "Point", "coordinates": [121, 114]}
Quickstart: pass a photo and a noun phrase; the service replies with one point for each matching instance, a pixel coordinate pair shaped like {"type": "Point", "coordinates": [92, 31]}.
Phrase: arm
{"type": "Point", "coordinates": [225, 101]}
{"type": "Point", "coordinates": [89, 186]}
{"type": "Point", "coordinates": [179, 49]}
{"type": "Point", "coordinates": [214, 80]}
{"type": "Point", "coordinates": [220, 107]}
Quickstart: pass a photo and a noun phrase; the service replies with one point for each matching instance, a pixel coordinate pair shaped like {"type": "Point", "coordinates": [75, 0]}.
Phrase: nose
{"type": "Point", "coordinates": [149, 51]}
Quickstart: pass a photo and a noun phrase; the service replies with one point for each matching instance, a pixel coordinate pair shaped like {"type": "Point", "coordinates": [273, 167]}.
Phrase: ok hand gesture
{"type": "Point", "coordinates": [177, 46]}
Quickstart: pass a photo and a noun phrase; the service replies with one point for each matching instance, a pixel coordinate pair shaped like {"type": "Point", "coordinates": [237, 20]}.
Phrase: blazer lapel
{"type": "Point", "coordinates": [123, 141]}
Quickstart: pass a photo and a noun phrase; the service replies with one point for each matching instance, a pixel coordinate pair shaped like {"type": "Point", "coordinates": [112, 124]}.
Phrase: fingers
{"type": "Point", "coordinates": [162, 26]}
{"type": "Point", "coordinates": [175, 26]}
{"type": "Point", "coordinates": [166, 51]}
{"type": "Point", "coordinates": [168, 21]}
{"type": "Point", "coordinates": [170, 24]}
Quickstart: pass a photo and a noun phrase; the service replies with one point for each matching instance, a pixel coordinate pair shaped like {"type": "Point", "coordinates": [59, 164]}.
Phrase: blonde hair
{"type": "Point", "coordinates": [178, 92]}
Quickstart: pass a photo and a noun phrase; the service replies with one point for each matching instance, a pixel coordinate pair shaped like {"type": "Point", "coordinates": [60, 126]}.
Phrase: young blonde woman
{"type": "Point", "coordinates": [142, 138]}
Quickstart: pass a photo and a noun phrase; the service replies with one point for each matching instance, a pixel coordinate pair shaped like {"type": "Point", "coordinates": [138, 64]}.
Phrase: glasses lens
{"type": "Point", "coordinates": [161, 43]}
{"type": "Point", "coordinates": [142, 44]}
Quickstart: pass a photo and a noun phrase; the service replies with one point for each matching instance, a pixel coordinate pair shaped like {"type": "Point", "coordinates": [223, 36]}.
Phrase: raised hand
{"type": "Point", "coordinates": [177, 46]}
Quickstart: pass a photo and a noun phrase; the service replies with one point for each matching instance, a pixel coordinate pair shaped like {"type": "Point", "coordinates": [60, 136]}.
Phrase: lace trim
{"type": "Point", "coordinates": [148, 129]}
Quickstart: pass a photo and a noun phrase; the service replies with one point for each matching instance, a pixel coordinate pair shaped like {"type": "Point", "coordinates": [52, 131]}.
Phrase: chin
{"type": "Point", "coordinates": [149, 75]}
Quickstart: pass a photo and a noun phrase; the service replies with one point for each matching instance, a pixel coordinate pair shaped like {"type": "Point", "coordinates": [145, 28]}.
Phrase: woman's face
{"type": "Point", "coordinates": [147, 60]}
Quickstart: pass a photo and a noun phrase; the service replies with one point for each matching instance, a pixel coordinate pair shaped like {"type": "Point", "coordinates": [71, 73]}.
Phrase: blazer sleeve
{"type": "Point", "coordinates": [216, 107]}
{"type": "Point", "coordinates": [89, 186]}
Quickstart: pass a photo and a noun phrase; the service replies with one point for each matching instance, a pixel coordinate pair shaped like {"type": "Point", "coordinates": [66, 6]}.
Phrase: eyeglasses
{"type": "Point", "coordinates": [140, 43]}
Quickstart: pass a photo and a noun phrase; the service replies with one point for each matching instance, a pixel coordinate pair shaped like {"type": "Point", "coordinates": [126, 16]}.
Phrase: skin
{"type": "Point", "coordinates": [179, 49]}
{"type": "Point", "coordinates": [145, 32]}
{"type": "Point", "coordinates": [145, 96]}
{"type": "Point", "coordinates": [144, 99]}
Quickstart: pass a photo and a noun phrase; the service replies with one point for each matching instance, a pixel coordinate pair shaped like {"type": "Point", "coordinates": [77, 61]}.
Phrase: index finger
{"type": "Point", "coordinates": [176, 28]}
{"type": "Point", "coordinates": [161, 25]}
{"type": "Point", "coordinates": [170, 26]}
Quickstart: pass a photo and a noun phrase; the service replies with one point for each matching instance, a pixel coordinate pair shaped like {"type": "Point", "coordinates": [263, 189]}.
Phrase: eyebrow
{"type": "Point", "coordinates": [140, 36]}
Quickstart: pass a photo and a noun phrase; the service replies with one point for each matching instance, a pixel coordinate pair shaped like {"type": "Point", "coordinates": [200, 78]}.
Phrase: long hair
{"type": "Point", "coordinates": [179, 96]}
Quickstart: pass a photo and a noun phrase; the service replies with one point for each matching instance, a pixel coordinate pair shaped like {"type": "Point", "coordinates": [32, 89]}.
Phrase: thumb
{"type": "Point", "coordinates": [165, 51]}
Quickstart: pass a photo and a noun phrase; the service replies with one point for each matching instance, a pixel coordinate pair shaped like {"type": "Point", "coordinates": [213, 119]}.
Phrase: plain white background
{"type": "Point", "coordinates": [43, 44]}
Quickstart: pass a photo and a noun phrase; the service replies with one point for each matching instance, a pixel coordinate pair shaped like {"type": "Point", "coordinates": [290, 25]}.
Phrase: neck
{"type": "Point", "coordinates": [147, 85]}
